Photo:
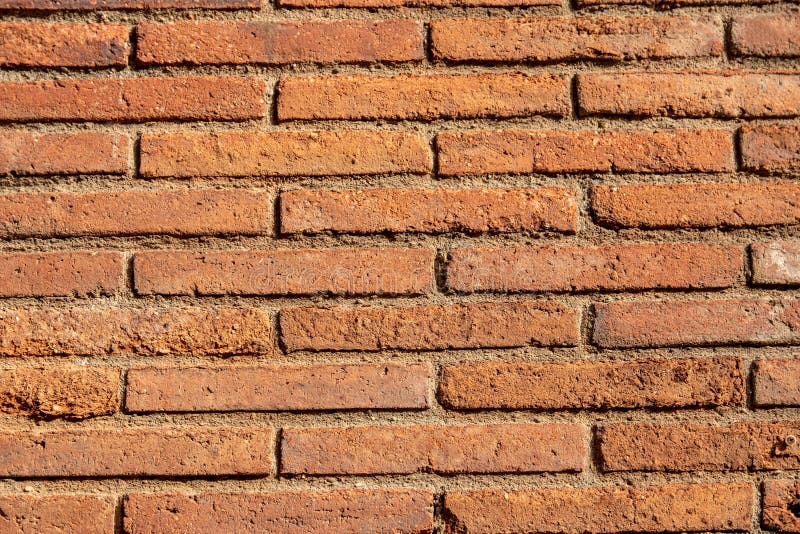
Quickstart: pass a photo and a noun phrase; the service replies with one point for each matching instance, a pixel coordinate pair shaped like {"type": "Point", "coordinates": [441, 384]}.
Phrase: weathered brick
{"type": "Point", "coordinates": [780, 504]}
{"type": "Point", "coordinates": [775, 382]}
{"type": "Point", "coordinates": [510, 448]}
{"type": "Point", "coordinates": [179, 212]}
{"type": "Point", "coordinates": [665, 383]}
{"type": "Point", "coordinates": [557, 151]}
{"type": "Point", "coordinates": [472, 325]}
{"type": "Point", "coordinates": [608, 267]}
{"type": "Point", "coordinates": [698, 205]}
{"type": "Point", "coordinates": [86, 5]}
{"type": "Point", "coordinates": [28, 514]}
{"type": "Point", "coordinates": [74, 392]}
{"type": "Point", "coordinates": [63, 273]}
{"type": "Point", "coordinates": [602, 509]}
{"type": "Point", "coordinates": [58, 153]}
{"type": "Point", "coordinates": [776, 263]}
{"type": "Point", "coordinates": [283, 153]}
{"type": "Point", "coordinates": [279, 42]}
{"type": "Point", "coordinates": [668, 4]}
{"type": "Point", "coordinates": [429, 210]}
{"type": "Point", "coordinates": [102, 330]}
{"type": "Point", "coordinates": [402, 511]}
{"type": "Point", "coordinates": [134, 99]}
{"type": "Point", "coordinates": [729, 95]}
{"type": "Point", "coordinates": [771, 148]}
{"type": "Point", "coordinates": [696, 323]}
{"type": "Point", "coordinates": [768, 35]}
{"type": "Point", "coordinates": [545, 39]}
{"type": "Point", "coordinates": [63, 44]}
{"type": "Point", "coordinates": [408, 96]}
{"type": "Point", "coordinates": [351, 271]}
{"type": "Point", "coordinates": [279, 388]}
{"type": "Point", "coordinates": [145, 451]}
{"type": "Point", "coordinates": [420, 3]}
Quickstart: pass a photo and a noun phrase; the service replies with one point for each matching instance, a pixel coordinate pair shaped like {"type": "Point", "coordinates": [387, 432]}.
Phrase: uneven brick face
{"type": "Point", "coordinates": [419, 3]}
{"type": "Point", "coordinates": [84, 5]}
{"type": "Point", "coordinates": [57, 153]}
{"type": "Point", "coordinates": [55, 274]}
{"type": "Point", "coordinates": [472, 325]}
{"type": "Point", "coordinates": [696, 323]}
{"type": "Point", "coordinates": [134, 99]}
{"type": "Point", "coordinates": [76, 392]}
{"type": "Point", "coordinates": [771, 148]}
{"type": "Point", "coordinates": [278, 388]}
{"type": "Point", "coordinates": [176, 451]}
{"type": "Point", "coordinates": [776, 263]}
{"type": "Point", "coordinates": [557, 151]}
{"type": "Point", "coordinates": [352, 271]}
{"type": "Point", "coordinates": [667, 4]}
{"type": "Point", "coordinates": [696, 205]}
{"type": "Point", "coordinates": [429, 210]}
{"type": "Point", "coordinates": [544, 39]}
{"type": "Point", "coordinates": [611, 267]}
{"type": "Point", "coordinates": [775, 382]}
{"type": "Point", "coordinates": [41, 44]}
{"type": "Point", "coordinates": [667, 383]}
{"type": "Point", "coordinates": [511, 448]}
{"type": "Point", "coordinates": [423, 97]}
{"type": "Point", "coordinates": [770, 35]}
{"type": "Point", "coordinates": [215, 43]}
{"type": "Point", "coordinates": [27, 514]}
{"type": "Point", "coordinates": [296, 512]}
{"type": "Point", "coordinates": [602, 509]}
{"type": "Point", "coordinates": [283, 153]}
{"type": "Point", "coordinates": [102, 330]}
{"type": "Point", "coordinates": [778, 509]}
{"type": "Point", "coordinates": [188, 212]}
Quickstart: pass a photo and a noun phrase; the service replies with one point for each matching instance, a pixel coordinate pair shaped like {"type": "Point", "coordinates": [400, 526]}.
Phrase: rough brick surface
{"type": "Point", "coordinates": [79, 153]}
{"type": "Point", "coordinates": [415, 3]}
{"type": "Point", "coordinates": [776, 263]}
{"type": "Point", "coordinates": [775, 382]}
{"type": "Point", "coordinates": [771, 148]}
{"type": "Point", "coordinates": [769, 35]}
{"type": "Point", "coordinates": [27, 514]}
{"type": "Point", "coordinates": [85, 5]}
{"type": "Point", "coordinates": [779, 507]}
{"type": "Point", "coordinates": [59, 274]}
{"type": "Point", "coordinates": [41, 44]}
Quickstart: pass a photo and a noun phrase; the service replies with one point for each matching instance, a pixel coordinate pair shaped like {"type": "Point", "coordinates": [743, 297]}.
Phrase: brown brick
{"type": "Point", "coordinates": [602, 509]}
{"type": "Point", "coordinates": [100, 330]}
{"type": "Point", "coordinates": [28, 514]}
{"type": "Point", "coordinates": [768, 35]}
{"type": "Point", "coordinates": [279, 388]}
{"type": "Point", "coordinates": [702, 205]}
{"type": "Point", "coordinates": [59, 153]}
{"type": "Point", "coordinates": [608, 267]}
{"type": "Point", "coordinates": [545, 39]}
{"type": "Point", "coordinates": [429, 210]}
{"type": "Point", "coordinates": [401, 511]}
{"type": "Point", "coordinates": [63, 273]}
{"type": "Point", "coordinates": [771, 148]}
{"type": "Point", "coordinates": [351, 271]}
{"type": "Point", "coordinates": [283, 153]}
{"type": "Point", "coordinates": [407, 96]}
{"type": "Point", "coordinates": [86, 5]}
{"type": "Point", "coordinates": [280, 42]}
{"type": "Point", "coordinates": [666, 383]}
{"type": "Point", "coordinates": [669, 4]}
{"type": "Point", "coordinates": [696, 323]}
{"type": "Point", "coordinates": [728, 95]}
{"type": "Point", "coordinates": [174, 451]}
{"type": "Point", "coordinates": [775, 382]}
{"type": "Point", "coordinates": [776, 263]}
{"type": "Point", "coordinates": [179, 212]}
{"type": "Point", "coordinates": [779, 506]}
{"type": "Point", "coordinates": [511, 448]}
{"type": "Point", "coordinates": [420, 3]}
{"type": "Point", "coordinates": [134, 99]}
{"type": "Point", "coordinates": [64, 44]}
{"type": "Point", "coordinates": [453, 326]}
{"type": "Point", "coordinates": [557, 151]}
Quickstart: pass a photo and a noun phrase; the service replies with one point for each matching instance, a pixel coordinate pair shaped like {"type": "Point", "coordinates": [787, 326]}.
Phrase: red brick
{"type": "Point", "coordinates": [144, 451]}
{"type": "Point", "coordinates": [776, 263]}
{"type": "Point", "coordinates": [279, 42]}
{"type": "Point", "coordinates": [292, 512]}
{"type": "Point", "coordinates": [28, 514]}
{"type": "Point", "coordinates": [775, 382]}
{"type": "Point", "coordinates": [134, 99]}
{"type": "Point", "coordinates": [768, 35]}
{"type": "Point", "coordinates": [511, 448]}
{"type": "Point", "coordinates": [179, 212]}
{"type": "Point", "coordinates": [351, 271]}
{"type": "Point", "coordinates": [557, 151]}
{"type": "Point", "coordinates": [608, 267]}
{"type": "Point", "coordinates": [728, 95]}
{"type": "Point", "coordinates": [453, 326]}
{"type": "Point", "coordinates": [699, 205]}
{"type": "Point", "coordinates": [278, 388]}
{"type": "Point", "coordinates": [545, 39]}
{"type": "Point", "coordinates": [99, 330]}
{"type": "Point", "coordinates": [419, 3]}
{"type": "Point", "coordinates": [64, 44]}
{"type": "Point", "coordinates": [86, 5]}
{"type": "Point", "coordinates": [303, 153]}
{"type": "Point", "coordinates": [697, 323]}
{"type": "Point", "coordinates": [429, 210]}
{"type": "Point", "coordinates": [780, 504]}
{"type": "Point", "coordinates": [57, 153]}
{"type": "Point", "coordinates": [774, 148]}
{"type": "Point", "coordinates": [408, 96]}
{"type": "Point", "coordinates": [63, 273]}
{"type": "Point", "coordinates": [669, 4]}
{"type": "Point", "coordinates": [666, 383]}
{"type": "Point", "coordinates": [602, 509]}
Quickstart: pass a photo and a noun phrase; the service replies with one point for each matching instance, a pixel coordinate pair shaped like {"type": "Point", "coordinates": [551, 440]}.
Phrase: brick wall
{"type": "Point", "coordinates": [399, 266]}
